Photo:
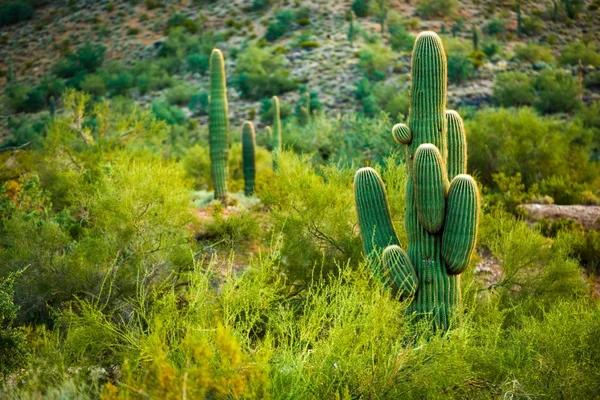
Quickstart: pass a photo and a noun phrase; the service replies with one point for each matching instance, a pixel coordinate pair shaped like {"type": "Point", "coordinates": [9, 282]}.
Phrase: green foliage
{"type": "Point", "coordinates": [179, 95]}
{"type": "Point", "coordinates": [460, 68]}
{"type": "Point", "coordinates": [13, 352]}
{"type": "Point", "coordinates": [491, 48]}
{"type": "Point", "coordinates": [260, 73]}
{"type": "Point", "coordinates": [532, 25]}
{"type": "Point", "coordinates": [575, 51]}
{"type": "Point", "coordinates": [393, 99]}
{"type": "Point", "coordinates": [19, 98]}
{"type": "Point", "coordinates": [198, 62]}
{"type": "Point", "coordinates": [520, 141]}
{"type": "Point", "coordinates": [557, 91]}
{"type": "Point", "coordinates": [87, 59]}
{"type": "Point", "coordinates": [94, 84]}
{"type": "Point", "coordinates": [513, 89]}
{"type": "Point", "coordinates": [285, 21]}
{"type": "Point", "coordinates": [361, 8]}
{"type": "Point", "coordinates": [436, 8]}
{"type": "Point", "coordinates": [495, 27]}
{"type": "Point", "coordinates": [400, 39]}
{"type": "Point", "coordinates": [534, 53]}
{"type": "Point", "coordinates": [13, 12]}
{"type": "Point", "coordinates": [163, 111]}
{"type": "Point", "coordinates": [592, 80]}
{"type": "Point", "coordinates": [374, 61]}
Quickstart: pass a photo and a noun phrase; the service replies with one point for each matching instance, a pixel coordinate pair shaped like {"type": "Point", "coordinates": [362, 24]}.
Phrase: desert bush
{"type": "Point", "coordinates": [199, 103]}
{"type": "Point", "coordinates": [534, 53]}
{"type": "Point", "coordinates": [393, 99]}
{"type": "Point", "coordinates": [163, 111]}
{"type": "Point", "coordinates": [261, 74]}
{"type": "Point", "coordinates": [400, 39]}
{"type": "Point", "coordinates": [26, 129]}
{"type": "Point", "coordinates": [513, 89]}
{"type": "Point", "coordinates": [94, 84]}
{"type": "Point", "coordinates": [592, 80]}
{"type": "Point", "coordinates": [13, 351]}
{"type": "Point", "coordinates": [361, 8]}
{"type": "Point", "coordinates": [150, 77]}
{"type": "Point", "coordinates": [436, 8]}
{"type": "Point", "coordinates": [563, 190]}
{"type": "Point", "coordinates": [557, 91]}
{"type": "Point", "coordinates": [460, 68]}
{"type": "Point", "coordinates": [575, 51]}
{"type": "Point", "coordinates": [491, 48]}
{"type": "Point", "coordinates": [532, 25]}
{"type": "Point", "coordinates": [374, 61]}
{"type": "Point", "coordinates": [520, 141]}
{"type": "Point", "coordinates": [87, 59]}
{"type": "Point", "coordinates": [179, 95]}
{"type": "Point", "coordinates": [13, 12]}
{"type": "Point", "coordinates": [198, 62]}
{"type": "Point", "coordinates": [495, 27]}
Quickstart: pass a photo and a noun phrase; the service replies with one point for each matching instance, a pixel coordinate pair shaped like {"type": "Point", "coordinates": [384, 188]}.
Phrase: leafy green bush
{"type": "Point", "coordinates": [460, 68]}
{"type": "Point", "coordinates": [400, 39]}
{"type": "Point", "coordinates": [592, 80]}
{"type": "Point", "coordinates": [513, 89]}
{"type": "Point", "coordinates": [13, 350]}
{"type": "Point", "coordinates": [199, 103]}
{"type": "Point", "coordinates": [87, 59]}
{"type": "Point", "coordinates": [520, 141]}
{"type": "Point", "coordinates": [179, 95]}
{"type": "Point", "coordinates": [491, 48]}
{"type": "Point", "coordinates": [374, 61]}
{"type": "Point", "coordinates": [557, 91]}
{"type": "Point", "coordinates": [436, 8]}
{"type": "Point", "coordinates": [495, 27]}
{"type": "Point", "coordinates": [94, 84]}
{"type": "Point", "coordinates": [392, 99]}
{"type": "Point", "coordinates": [361, 8]}
{"type": "Point", "coordinates": [163, 111]}
{"type": "Point", "coordinates": [532, 25]}
{"type": "Point", "coordinates": [534, 53]}
{"type": "Point", "coordinates": [13, 12]}
{"type": "Point", "coordinates": [261, 74]}
{"type": "Point", "coordinates": [284, 22]}
{"type": "Point", "coordinates": [150, 77]}
{"type": "Point", "coordinates": [562, 189]}
{"type": "Point", "coordinates": [575, 51]}
{"type": "Point", "coordinates": [198, 62]}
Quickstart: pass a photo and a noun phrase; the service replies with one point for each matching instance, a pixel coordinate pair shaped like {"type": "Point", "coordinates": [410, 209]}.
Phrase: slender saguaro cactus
{"type": "Point", "coordinates": [351, 28]}
{"type": "Point", "coordinates": [218, 125]}
{"type": "Point", "coordinates": [442, 202]}
{"type": "Point", "coordinates": [276, 142]}
{"type": "Point", "coordinates": [248, 157]}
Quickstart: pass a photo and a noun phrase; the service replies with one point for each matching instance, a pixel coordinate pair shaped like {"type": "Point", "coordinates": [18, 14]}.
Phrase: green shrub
{"type": "Point", "coordinates": [534, 53]}
{"type": "Point", "coordinates": [562, 189]}
{"type": "Point", "coordinates": [491, 48]}
{"type": "Point", "coordinates": [94, 84]}
{"type": "Point", "coordinates": [575, 51]}
{"type": "Point", "coordinates": [13, 12]}
{"type": "Point", "coordinates": [495, 27]}
{"type": "Point", "coordinates": [521, 141]}
{"type": "Point", "coordinates": [261, 74]}
{"type": "Point", "coordinates": [400, 39]}
{"type": "Point", "coordinates": [120, 84]}
{"type": "Point", "coordinates": [198, 62]}
{"type": "Point", "coordinates": [592, 80]}
{"type": "Point", "coordinates": [392, 99]}
{"type": "Point", "coordinates": [513, 89]}
{"type": "Point", "coordinates": [13, 352]}
{"type": "Point", "coordinates": [199, 103]}
{"type": "Point", "coordinates": [165, 112]}
{"type": "Point", "coordinates": [557, 91]}
{"type": "Point", "coordinates": [460, 68]}
{"type": "Point", "coordinates": [179, 95]}
{"type": "Point", "coordinates": [532, 26]}
{"type": "Point", "coordinates": [436, 8]}
{"type": "Point", "coordinates": [34, 101]}
{"type": "Point", "coordinates": [361, 8]}
{"type": "Point", "coordinates": [87, 59]}
{"type": "Point", "coordinates": [150, 77]}
{"type": "Point", "coordinates": [374, 61]}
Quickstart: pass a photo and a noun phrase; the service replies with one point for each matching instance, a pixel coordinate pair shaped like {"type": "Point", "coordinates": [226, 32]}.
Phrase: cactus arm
{"type": "Point", "coordinates": [462, 220]}
{"type": "Point", "coordinates": [430, 183]}
{"type": "Point", "coordinates": [218, 125]}
{"type": "Point", "coordinates": [249, 157]}
{"type": "Point", "coordinates": [457, 145]}
{"type": "Point", "coordinates": [401, 134]}
{"type": "Point", "coordinates": [374, 219]}
{"type": "Point", "coordinates": [399, 271]}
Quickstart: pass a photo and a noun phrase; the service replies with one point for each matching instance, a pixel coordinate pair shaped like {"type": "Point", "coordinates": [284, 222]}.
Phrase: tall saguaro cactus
{"type": "Point", "coordinates": [218, 125]}
{"type": "Point", "coordinates": [442, 202]}
{"type": "Point", "coordinates": [248, 157]}
{"type": "Point", "coordinates": [276, 141]}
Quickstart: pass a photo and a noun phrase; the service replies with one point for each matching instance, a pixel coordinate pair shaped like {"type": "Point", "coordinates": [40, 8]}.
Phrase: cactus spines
{"type": "Point", "coordinates": [441, 217]}
{"type": "Point", "coordinates": [457, 145]}
{"type": "Point", "coordinates": [399, 271]}
{"type": "Point", "coordinates": [374, 217]}
{"type": "Point", "coordinates": [218, 125]}
{"type": "Point", "coordinates": [462, 219]}
{"type": "Point", "coordinates": [276, 142]}
{"type": "Point", "coordinates": [248, 157]}
{"type": "Point", "coordinates": [401, 134]}
{"type": "Point", "coordinates": [430, 185]}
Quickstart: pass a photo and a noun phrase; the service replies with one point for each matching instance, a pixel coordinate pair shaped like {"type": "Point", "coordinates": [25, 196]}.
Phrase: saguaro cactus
{"type": "Point", "coordinates": [218, 125]}
{"type": "Point", "coordinates": [276, 141]}
{"type": "Point", "coordinates": [248, 157]}
{"type": "Point", "coordinates": [442, 202]}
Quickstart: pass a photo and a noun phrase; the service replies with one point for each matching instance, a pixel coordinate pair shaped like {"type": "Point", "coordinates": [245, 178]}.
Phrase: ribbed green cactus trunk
{"type": "Point", "coordinates": [218, 125]}
{"type": "Point", "coordinates": [276, 141]}
{"type": "Point", "coordinates": [249, 157]}
{"type": "Point", "coordinates": [442, 203]}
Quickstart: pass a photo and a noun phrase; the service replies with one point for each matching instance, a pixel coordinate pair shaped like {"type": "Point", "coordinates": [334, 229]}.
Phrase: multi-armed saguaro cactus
{"type": "Point", "coordinates": [442, 203]}
{"type": "Point", "coordinates": [276, 141]}
{"type": "Point", "coordinates": [248, 157]}
{"type": "Point", "coordinates": [218, 125]}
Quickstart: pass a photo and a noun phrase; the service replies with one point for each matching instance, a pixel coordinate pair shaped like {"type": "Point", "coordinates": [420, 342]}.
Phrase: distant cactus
{"type": "Point", "coordinates": [249, 157]}
{"type": "Point", "coordinates": [442, 203]}
{"type": "Point", "coordinates": [351, 28]}
{"type": "Point", "coordinates": [276, 141]}
{"type": "Point", "coordinates": [475, 33]}
{"type": "Point", "coordinates": [218, 125]}
{"type": "Point", "coordinates": [519, 27]}
{"type": "Point", "coordinates": [269, 135]}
